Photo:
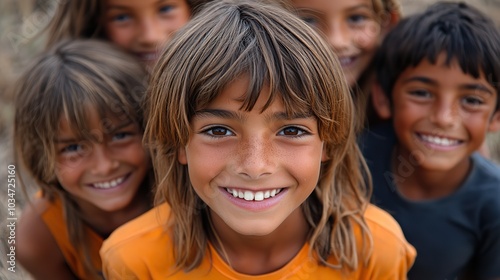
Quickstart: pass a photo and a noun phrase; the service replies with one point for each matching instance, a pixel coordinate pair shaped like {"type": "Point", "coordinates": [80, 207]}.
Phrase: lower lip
{"type": "Point", "coordinates": [253, 205]}
{"type": "Point", "coordinates": [115, 188]}
{"type": "Point", "coordinates": [438, 147]}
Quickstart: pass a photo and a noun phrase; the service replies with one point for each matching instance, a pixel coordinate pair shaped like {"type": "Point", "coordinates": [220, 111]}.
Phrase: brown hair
{"type": "Point", "coordinates": [272, 48]}
{"type": "Point", "coordinates": [83, 19]}
{"type": "Point", "coordinates": [59, 83]}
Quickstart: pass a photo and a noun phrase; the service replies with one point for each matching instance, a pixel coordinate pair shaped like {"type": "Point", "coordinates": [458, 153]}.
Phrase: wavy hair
{"type": "Point", "coordinates": [273, 48]}
{"type": "Point", "coordinates": [65, 81]}
{"type": "Point", "coordinates": [84, 19]}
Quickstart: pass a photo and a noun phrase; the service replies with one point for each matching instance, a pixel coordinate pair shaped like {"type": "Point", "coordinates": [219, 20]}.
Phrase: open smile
{"type": "Point", "coordinates": [111, 183]}
{"type": "Point", "coordinates": [250, 195]}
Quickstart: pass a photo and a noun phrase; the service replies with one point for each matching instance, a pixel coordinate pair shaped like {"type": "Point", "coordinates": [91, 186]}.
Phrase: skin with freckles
{"type": "Point", "coordinates": [254, 151]}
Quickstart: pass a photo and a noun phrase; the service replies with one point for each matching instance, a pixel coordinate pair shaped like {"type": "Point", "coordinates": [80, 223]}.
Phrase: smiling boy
{"type": "Point", "coordinates": [438, 75]}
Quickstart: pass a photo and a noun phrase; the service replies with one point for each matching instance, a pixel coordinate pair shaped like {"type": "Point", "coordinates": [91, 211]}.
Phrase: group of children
{"type": "Point", "coordinates": [223, 140]}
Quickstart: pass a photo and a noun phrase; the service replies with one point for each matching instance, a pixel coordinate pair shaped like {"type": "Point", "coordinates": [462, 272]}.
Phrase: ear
{"type": "Point", "coordinates": [494, 122]}
{"type": "Point", "coordinates": [392, 19]}
{"type": "Point", "coordinates": [182, 156]}
{"type": "Point", "coordinates": [380, 102]}
{"type": "Point", "coordinates": [324, 154]}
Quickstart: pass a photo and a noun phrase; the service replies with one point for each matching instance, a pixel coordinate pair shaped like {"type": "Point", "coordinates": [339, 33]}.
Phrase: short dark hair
{"type": "Point", "coordinates": [457, 29]}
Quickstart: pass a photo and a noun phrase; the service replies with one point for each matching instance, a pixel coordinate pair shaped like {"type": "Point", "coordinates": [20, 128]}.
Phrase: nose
{"type": "Point", "coordinates": [150, 33]}
{"type": "Point", "coordinates": [256, 158]}
{"type": "Point", "coordinates": [103, 163]}
{"type": "Point", "coordinates": [339, 36]}
{"type": "Point", "coordinates": [445, 114]}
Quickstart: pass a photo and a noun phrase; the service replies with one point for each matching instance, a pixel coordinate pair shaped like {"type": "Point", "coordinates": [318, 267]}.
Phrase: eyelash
{"type": "Point", "coordinates": [301, 132]}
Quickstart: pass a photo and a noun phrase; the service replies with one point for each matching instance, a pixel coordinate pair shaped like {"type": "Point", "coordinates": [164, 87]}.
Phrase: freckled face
{"type": "Point", "coordinates": [351, 27]}
{"type": "Point", "coordinates": [253, 169]}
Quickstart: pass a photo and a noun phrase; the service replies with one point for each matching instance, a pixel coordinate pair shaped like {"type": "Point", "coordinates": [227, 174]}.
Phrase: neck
{"type": "Point", "coordinates": [417, 183]}
{"type": "Point", "coordinates": [104, 222]}
{"type": "Point", "coordinates": [255, 255]}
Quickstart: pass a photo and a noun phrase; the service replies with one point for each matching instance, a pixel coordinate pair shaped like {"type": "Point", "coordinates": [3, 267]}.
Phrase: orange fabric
{"type": "Point", "coordinates": [141, 250]}
{"type": "Point", "coordinates": [53, 217]}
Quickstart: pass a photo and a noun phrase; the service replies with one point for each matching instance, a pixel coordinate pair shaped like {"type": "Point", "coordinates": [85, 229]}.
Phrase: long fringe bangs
{"type": "Point", "coordinates": [66, 82]}
{"type": "Point", "coordinates": [280, 52]}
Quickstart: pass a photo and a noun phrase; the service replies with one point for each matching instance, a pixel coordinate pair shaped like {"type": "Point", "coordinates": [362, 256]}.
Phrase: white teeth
{"type": "Point", "coordinates": [257, 196]}
{"type": "Point", "coordinates": [439, 141]}
{"type": "Point", "coordinates": [248, 195]}
{"type": "Point", "coordinates": [110, 184]}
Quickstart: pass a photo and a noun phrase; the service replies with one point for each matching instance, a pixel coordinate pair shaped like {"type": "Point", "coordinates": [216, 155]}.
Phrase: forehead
{"type": "Point", "coordinates": [234, 94]}
{"type": "Point", "coordinates": [328, 6]}
{"type": "Point", "coordinates": [89, 121]}
{"type": "Point", "coordinates": [441, 74]}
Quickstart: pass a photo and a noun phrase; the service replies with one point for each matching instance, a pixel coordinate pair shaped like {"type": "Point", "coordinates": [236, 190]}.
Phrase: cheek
{"type": "Point", "coordinates": [120, 36]}
{"type": "Point", "coordinates": [369, 37]}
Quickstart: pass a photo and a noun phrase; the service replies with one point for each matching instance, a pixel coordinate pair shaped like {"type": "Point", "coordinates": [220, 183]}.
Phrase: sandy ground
{"type": "Point", "coordinates": [19, 22]}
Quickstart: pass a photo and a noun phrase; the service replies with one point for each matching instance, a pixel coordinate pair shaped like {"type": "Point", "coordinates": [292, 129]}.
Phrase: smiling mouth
{"type": "Point", "coordinates": [346, 61]}
{"type": "Point", "coordinates": [440, 141]}
{"type": "Point", "coordinates": [257, 196]}
{"type": "Point", "coordinates": [109, 184]}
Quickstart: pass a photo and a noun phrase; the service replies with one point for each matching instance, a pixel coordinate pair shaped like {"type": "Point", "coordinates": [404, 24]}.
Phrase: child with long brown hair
{"type": "Point", "coordinates": [250, 124]}
{"type": "Point", "coordinates": [78, 135]}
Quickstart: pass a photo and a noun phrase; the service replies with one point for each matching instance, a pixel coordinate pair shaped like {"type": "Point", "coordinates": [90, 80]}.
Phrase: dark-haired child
{"type": "Point", "coordinates": [439, 74]}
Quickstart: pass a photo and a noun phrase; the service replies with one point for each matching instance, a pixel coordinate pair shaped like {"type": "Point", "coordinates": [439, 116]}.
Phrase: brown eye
{"type": "Point", "coordinates": [293, 131]}
{"type": "Point", "coordinates": [218, 131]}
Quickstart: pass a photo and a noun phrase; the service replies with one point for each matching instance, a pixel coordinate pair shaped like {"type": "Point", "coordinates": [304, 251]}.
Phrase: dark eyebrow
{"type": "Point", "coordinates": [234, 115]}
{"type": "Point", "coordinates": [469, 86]}
{"type": "Point", "coordinates": [225, 114]}
{"type": "Point", "coordinates": [294, 115]}
{"type": "Point", "coordinates": [360, 6]}
{"type": "Point", "coordinates": [421, 79]}
{"type": "Point", "coordinates": [479, 87]}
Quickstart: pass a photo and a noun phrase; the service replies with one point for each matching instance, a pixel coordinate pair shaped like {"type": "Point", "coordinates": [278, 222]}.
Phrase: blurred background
{"type": "Point", "coordinates": [20, 24]}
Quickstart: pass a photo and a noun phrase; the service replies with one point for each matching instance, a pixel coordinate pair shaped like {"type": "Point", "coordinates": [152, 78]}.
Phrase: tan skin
{"type": "Point", "coordinates": [36, 242]}
{"type": "Point", "coordinates": [441, 116]}
{"type": "Point", "coordinates": [262, 254]}
{"type": "Point", "coordinates": [81, 167]}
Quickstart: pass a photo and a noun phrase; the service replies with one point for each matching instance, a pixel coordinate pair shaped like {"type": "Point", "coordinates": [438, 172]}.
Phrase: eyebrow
{"type": "Point", "coordinates": [468, 86]}
{"type": "Point", "coordinates": [113, 130]}
{"type": "Point", "coordinates": [122, 7]}
{"type": "Point", "coordinates": [225, 114]}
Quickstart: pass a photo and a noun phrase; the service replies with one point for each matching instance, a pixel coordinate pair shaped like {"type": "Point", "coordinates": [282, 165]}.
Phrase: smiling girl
{"type": "Point", "coordinates": [140, 27]}
{"type": "Point", "coordinates": [250, 124]}
{"type": "Point", "coordinates": [78, 134]}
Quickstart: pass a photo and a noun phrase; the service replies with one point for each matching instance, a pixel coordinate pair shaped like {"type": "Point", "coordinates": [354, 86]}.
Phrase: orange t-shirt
{"type": "Point", "coordinates": [53, 216]}
{"type": "Point", "coordinates": [141, 249]}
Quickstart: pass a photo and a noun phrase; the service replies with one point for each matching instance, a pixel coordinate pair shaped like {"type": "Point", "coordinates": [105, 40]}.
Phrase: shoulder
{"type": "Point", "coordinates": [134, 247]}
{"type": "Point", "coordinates": [485, 171]}
{"type": "Point", "coordinates": [36, 247]}
{"type": "Point", "coordinates": [392, 255]}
